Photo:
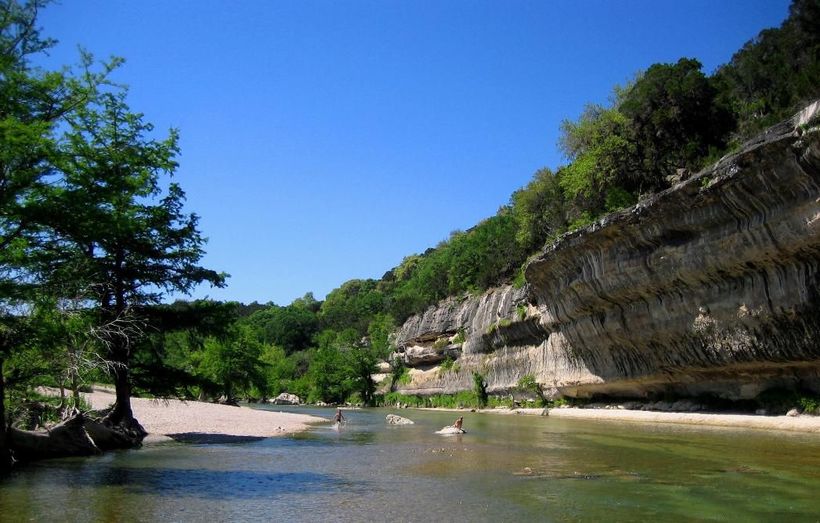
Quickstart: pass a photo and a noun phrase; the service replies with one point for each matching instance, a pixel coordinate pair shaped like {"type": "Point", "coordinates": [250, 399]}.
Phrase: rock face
{"type": "Point", "coordinates": [710, 287]}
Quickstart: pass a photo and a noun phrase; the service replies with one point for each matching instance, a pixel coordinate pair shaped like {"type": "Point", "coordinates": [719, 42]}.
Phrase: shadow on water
{"type": "Point", "coordinates": [212, 439]}
{"type": "Point", "coordinates": [207, 484]}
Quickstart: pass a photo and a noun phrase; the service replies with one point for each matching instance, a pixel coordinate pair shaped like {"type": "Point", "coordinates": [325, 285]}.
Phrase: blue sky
{"type": "Point", "coordinates": [326, 140]}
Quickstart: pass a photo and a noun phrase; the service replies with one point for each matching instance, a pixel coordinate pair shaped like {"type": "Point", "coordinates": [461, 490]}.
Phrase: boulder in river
{"type": "Point", "coordinates": [287, 399]}
{"type": "Point", "coordinates": [450, 430]}
{"type": "Point", "coordinates": [393, 419]}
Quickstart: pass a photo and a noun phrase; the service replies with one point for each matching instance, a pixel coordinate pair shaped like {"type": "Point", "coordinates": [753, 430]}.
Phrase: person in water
{"type": "Point", "coordinates": [339, 417]}
{"type": "Point", "coordinates": [459, 422]}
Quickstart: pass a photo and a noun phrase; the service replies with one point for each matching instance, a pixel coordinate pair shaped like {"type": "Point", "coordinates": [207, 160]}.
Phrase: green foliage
{"type": "Point", "coordinates": [529, 384]}
{"type": "Point", "coordinates": [464, 399]}
{"type": "Point", "coordinates": [378, 332]}
{"type": "Point", "coordinates": [503, 402]}
{"type": "Point", "coordinates": [233, 363]}
{"type": "Point", "coordinates": [617, 198]}
{"type": "Point", "coordinates": [441, 343]}
{"type": "Point", "coordinates": [480, 389]}
{"type": "Point", "coordinates": [292, 327]}
{"type": "Point", "coordinates": [32, 410]}
{"type": "Point", "coordinates": [352, 305]}
{"type": "Point", "coordinates": [447, 364]}
{"type": "Point", "coordinates": [278, 370]}
{"type": "Point", "coordinates": [459, 400]}
{"type": "Point", "coordinates": [520, 277]}
{"type": "Point", "coordinates": [341, 367]}
{"type": "Point", "coordinates": [404, 377]}
{"type": "Point", "coordinates": [780, 401]}
{"type": "Point", "coordinates": [118, 238]}
{"type": "Point", "coordinates": [467, 262]}
{"type": "Point", "coordinates": [771, 76]}
{"type": "Point", "coordinates": [674, 118]}
{"type": "Point", "coordinates": [460, 337]}
{"type": "Point", "coordinates": [503, 322]}
{"type": "Point", "coordinates": [539, 210]}
{"type": "Point", "coordinates": [521, 311]}
{"type": "Point", "coordinates": [584, 219]}
{"type": "Point", "coordinates": [398, 373]}
{"type": "Point", "coordinates": [327, 376]}
{"type": "Point", "coordinates": [600, 150]}
{"type": "Point", "coordinates": [361, 362]}
{"type": "Point", "coordinates": [809, 404]}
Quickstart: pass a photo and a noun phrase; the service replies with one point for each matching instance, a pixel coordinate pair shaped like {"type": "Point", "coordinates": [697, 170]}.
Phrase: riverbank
{"type": "Point", "coordinates": [802, 423]}
{"type": "Point", "coordinates": [205, 422]}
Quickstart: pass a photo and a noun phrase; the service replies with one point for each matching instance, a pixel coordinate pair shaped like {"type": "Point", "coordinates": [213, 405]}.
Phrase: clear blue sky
{"type": "Point", "coordinates": [326, 140]}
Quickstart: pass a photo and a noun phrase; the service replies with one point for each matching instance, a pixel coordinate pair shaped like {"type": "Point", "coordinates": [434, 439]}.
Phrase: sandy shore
{"type": "Point", "coordinates": [782, 423]}
{"type": "Point", "coordinates": [785, 423]}
{"type": "Point", "coordinates": [208, 421]}
{"type": "Point", "coordinates": [194, 420]}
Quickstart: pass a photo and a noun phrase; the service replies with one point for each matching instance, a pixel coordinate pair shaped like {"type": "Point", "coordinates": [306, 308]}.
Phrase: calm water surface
{"type": "Point", "coordinates": [506, 468]}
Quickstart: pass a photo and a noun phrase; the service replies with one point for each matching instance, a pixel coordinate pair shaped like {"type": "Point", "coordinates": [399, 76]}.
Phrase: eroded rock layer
{"type": "Point", "coordinates": [712, 286]}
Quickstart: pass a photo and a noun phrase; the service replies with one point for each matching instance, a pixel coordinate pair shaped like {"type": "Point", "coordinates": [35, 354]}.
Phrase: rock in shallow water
{"type": "Point", "coordinates": [393, 419]}
{"type": "Point", "coordinates": [287, 399]}
{"type": "Point", "coordinates": [448, 431]}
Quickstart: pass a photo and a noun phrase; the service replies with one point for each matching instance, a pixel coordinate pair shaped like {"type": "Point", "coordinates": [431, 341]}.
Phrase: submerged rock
{"type": "Point", "coordinates": [393, 419]}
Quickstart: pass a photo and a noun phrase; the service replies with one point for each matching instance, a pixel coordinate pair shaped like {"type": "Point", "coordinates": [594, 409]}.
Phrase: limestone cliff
{"type": "Point", "coordinates": [712, 286]}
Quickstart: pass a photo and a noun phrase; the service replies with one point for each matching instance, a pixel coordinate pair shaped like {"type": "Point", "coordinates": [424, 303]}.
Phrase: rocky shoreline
{"type": "Point", "coordinates": [194, 421]}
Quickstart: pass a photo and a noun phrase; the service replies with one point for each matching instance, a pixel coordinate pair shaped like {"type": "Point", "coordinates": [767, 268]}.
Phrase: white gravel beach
{"type": "Point", "coordinates": [175, 417]}
{"type": "Point", "coordinates": [802, 423]}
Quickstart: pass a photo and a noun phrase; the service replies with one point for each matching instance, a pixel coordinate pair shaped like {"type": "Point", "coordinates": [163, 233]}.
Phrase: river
{"type": "Point", "coordinates": [506, 468]}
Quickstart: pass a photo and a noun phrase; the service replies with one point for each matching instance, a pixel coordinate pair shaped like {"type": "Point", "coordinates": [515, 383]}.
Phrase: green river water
{"type": "Point", "coordinates": [506, 468]}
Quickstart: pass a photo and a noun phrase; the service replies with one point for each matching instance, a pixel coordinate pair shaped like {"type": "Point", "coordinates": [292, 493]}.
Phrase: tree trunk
{"type": "Point", "coordinates": [68, 438]}
{"type": "Point", "coordinates": [122, 405]}
{"type": "Point", "coordinates": [5, 454]}
{"type": "Point", "coordinates": [76, 436]}
{"type": "Point", "coordinates": [121, 417]}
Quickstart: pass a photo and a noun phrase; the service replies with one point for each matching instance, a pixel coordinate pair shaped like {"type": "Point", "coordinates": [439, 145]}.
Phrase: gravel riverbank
{"type": "Point", "coordinates": [802, 423]}
{"type": "Point", "coordinates": [205, 421]}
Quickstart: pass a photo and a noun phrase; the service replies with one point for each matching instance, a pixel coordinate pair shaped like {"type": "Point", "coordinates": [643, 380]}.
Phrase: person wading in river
{"type": "Point", "coordinates": [459, 422]}
{"type": "Point", "coordinates": [338, 418]}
